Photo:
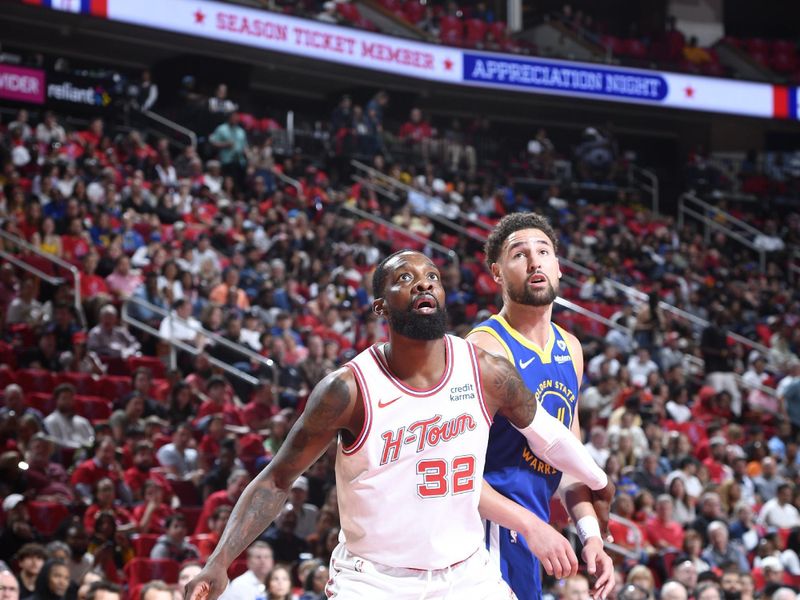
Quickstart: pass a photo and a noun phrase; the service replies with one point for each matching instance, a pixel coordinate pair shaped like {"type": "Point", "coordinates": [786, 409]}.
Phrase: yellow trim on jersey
{"type": "Point", "coordinates": [544, 354]}
{"type": "Point", "coordinates": [569, 351]}
{"type": "Point", "coordinates": [495, 335]}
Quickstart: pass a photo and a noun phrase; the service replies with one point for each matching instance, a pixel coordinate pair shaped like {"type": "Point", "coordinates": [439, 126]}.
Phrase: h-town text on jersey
{"type": "Point", "coordinates": [427, 433]}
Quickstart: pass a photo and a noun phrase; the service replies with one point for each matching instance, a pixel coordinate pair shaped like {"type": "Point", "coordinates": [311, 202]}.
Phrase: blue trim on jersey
{"type": "Point", "coordinates": [511, 467]}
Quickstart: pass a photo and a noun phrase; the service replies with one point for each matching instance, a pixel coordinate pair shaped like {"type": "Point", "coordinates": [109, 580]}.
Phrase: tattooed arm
{"type": "Point", "coordinates": [331, 408]}
{"type": "Point", "coordinates": [507, 394]}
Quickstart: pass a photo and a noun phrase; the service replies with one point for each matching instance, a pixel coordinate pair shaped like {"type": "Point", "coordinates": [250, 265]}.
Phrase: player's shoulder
{"type": "Point", "coordinates": [485, 339]}
{"type": "Point", "coordinates": [571, 339]}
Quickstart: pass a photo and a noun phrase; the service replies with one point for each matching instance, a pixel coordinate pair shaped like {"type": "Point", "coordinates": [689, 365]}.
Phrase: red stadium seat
{"type": "Point", "coordinates": [414, 11]}
{"type": "Point", "coordinates": [41, 401]}
{"type": "Point", "coordinates": [85, 384]}
{"type": "Point", "coordinates": [205, 543]}
{"type": "Point", "coordinates": [238, 567]}
{"type": "Point", "coordinates": [475, 32]}
{"type": "Point", "coordinates": [348, 11]}
{"type": "Point", "coordinates": [451, 30]}
{"type": "Point", "coordinates": [143, 570]}
{"type": "Point", "coordinates": [143, 543]}
{"type": "Point", "coordinates": [634, 48]}
{"type": "Point", "coordinates": [156, 366]}
{"type": "Point", "coordinates": [36, 380]}
{"type": "Point", "coordinates": [93, 408]}
{"type": "Point", "coordinates": [7, 375]}
{"type": "Point", "coordinates": [186, 492]}
{"type": "Point", "coordinates": [8, 357]}
{"type": "Point", "coordinates": [47, 516]}
{"type": "Point", "coordinates": [114, 386]}
{"type": "Point", "coordinates": [191, 514]}
{"type": "Point", "coordinates": [499, 31]}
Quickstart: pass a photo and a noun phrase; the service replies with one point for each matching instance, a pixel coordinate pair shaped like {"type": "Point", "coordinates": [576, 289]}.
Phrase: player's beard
{"type": "Point", "coordinates": [524, 294]}
{"type": "Point", "coordinates": [418, 326]}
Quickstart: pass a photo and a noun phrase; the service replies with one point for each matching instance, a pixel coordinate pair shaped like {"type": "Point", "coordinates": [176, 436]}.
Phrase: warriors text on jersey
{"type": "Point", "coordinates": [511, 467]}
{"type": "Point", "coordinates": [409, 486]}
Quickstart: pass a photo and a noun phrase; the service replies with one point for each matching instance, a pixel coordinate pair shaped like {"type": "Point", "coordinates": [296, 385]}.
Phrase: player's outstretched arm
{"type": "Point", "coordinates": [330, 408]}
{"type": "Point", "coordinates": [507, 394]}
{"type": "Point", "coordinates": [550, 547]}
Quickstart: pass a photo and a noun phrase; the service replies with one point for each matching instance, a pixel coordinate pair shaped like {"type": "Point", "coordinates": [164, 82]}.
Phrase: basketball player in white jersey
{"type": "Point", "coordinates": [412, 420]}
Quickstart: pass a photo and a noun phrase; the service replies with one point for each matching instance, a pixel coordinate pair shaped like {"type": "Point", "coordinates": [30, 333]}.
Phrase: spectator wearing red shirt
{"type": "Point", "coordinates": [76, 242]}
{"type": "Point", "coordinates": [150, 516]}
{"type": "Point", "coordinates": [237, 481]}
{"type": "Point", "coordinates": [717, 470]}
{"type": "Point", "coordinates": [261, 408]}
{"type": "Point", "coordinates": [105, 501]}
{"type": "Point", "coordinates": [662, 530]}
{"type": "Point", "coordinates": [218, 403]}
{"type": "Point", "coordinates": [209, 445]}
{"type": "Point", "coordinates": [626, 535]}
{"type": "Point", "coordinates": [104, 465]}
{"type": "Point", "coordinates": [418, 133]}
{"type": "Point", "coordinates": [137, 476]}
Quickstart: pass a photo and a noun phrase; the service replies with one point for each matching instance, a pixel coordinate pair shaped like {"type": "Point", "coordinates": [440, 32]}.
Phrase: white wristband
{"type": "Point", "coordinates": [588, 527]}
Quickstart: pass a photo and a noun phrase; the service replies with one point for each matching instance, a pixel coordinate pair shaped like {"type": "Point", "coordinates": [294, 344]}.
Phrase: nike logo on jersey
{"type": "Point", "coordinates": [524, 365]}
{"type": "Point", "coordinates": [382, 404]}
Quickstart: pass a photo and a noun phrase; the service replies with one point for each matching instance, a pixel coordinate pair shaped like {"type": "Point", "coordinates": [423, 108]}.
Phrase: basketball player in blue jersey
{"type": "Point", "coordinates": [521, 255]}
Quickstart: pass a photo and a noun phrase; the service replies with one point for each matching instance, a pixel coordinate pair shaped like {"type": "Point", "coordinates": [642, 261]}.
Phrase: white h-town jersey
{"type": "Point", "coordinates": [408, 487]}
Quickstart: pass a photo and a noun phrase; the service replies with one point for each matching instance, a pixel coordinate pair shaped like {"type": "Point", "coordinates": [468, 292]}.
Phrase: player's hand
{"type": "Point", "coordinates": [600, 565]}
{"type": "Point", "coordinates": [553, 550]}
{"type": "Point", "coordinates": [209, 583]}
{"type": "Point", "coordinates": [601, 501]}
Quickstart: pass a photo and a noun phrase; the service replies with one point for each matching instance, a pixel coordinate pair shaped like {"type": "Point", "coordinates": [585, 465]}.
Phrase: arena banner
{"type": "Point", "coordinates": [362, 49]}
{"type": "Point", "coordinates": [676, 90]}
{"type": "Point", "coordinates": [21, 84]}
{"type": "Point", "coordinates": [291, 35]}
{"type": "Point", "coordinates": [79, 92]}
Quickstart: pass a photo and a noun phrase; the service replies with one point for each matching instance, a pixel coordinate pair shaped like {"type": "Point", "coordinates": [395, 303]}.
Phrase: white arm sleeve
{"type": "Point", "coordinates": [556, 444]}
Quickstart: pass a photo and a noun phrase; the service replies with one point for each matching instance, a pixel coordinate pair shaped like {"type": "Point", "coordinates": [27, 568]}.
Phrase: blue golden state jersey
{"type": "Point", "coordinates": [511, 467]}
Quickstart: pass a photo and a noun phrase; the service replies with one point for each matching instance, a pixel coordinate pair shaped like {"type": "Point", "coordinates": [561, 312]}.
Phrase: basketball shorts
{"type": "Point", "coordinates": [354, 578]}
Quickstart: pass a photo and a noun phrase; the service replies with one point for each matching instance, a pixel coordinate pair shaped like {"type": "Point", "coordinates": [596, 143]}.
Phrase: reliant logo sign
{"type": "Point", "coordinates": [21, 85]}
{"type": "Point", "coordinates": [66, 91]}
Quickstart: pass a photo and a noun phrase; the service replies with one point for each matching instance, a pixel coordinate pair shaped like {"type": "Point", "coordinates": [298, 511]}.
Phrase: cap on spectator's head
{"type": "Point", "coordinates": [706, 392]}
{"type": "Point", "coordinates": [718, 440]}
{"type": "Point", "coordinates": [11, 501]}
{"type": "Point", "coordinates": [213, 163]}
{"type": "Point", "coordinates": [180, 225]}
{"type": "Point", "coordinates": [301, 483]}
{"type": "Point", "coordinates": [79, 337]}
{"type": "Point", "coordinates": [771, 563]}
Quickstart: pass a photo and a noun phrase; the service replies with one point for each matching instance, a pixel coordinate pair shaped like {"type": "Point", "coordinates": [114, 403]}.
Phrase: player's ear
{"type": "Point", "coordinates": [496, 274]}
{"type": "Point", "coordinates": [558, 264]}
{"type": "Point", "coordinates": [378, 307]}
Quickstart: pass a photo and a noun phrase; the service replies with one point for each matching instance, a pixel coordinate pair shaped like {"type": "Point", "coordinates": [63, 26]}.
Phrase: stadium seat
{"type": "Point", "coordinates": [143, 570]}
{"type": "Point", "coordinates": [238, 567]}
{"type": "Point", "coordinates": [8, 357]}
{"type": "Point", "coordinates": [156, 365]}
{"type": "Point", "coordinates": [186, 492]}
{"type": "Point", "coordinates": [7, 375]}
{"type": "Point", "coordinates": [348, 11]}
{"type": "Point", "coordinates": [475, 32]}
{"type": "Point", "coordinates": [191, 514]}
{"type": "Point", "coordinates": [205, 543]}
{"type": "Point", "coordinates": [451, 30]}
{"type": "Point", "coordinates": [114, 386]}
{"type": "Point", "coordinates": [47, 516]}
{"type": "Point", "coordinates": [93, 408]}
{"type": "Point", "coordinates": [41, 401]}
{"type": "Point", "coordinates": [85, 384]}
{"type": "Point", "coordinates": [143, 543]}
{"type": "Point", "coordinates": [414, 11]}
{"type": "Point", "coordinates": [35, 380]}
